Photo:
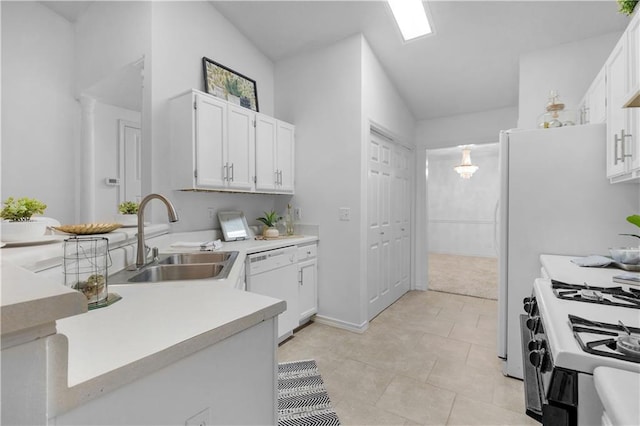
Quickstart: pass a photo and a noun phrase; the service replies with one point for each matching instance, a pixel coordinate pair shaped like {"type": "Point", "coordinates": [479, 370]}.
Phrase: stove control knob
{"type": "Point", "coordinates": [532, 323]}
{"type": "Point", "coordinates": [534, 345]}
{"type": "Point", "coordinates": [537, 358]}
{"type": "Point", "coordinates": [530, 305]}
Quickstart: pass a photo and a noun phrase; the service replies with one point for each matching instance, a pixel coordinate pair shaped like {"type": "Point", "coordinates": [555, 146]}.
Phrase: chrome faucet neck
{"type": "Point", "coordinates": [141, 253]}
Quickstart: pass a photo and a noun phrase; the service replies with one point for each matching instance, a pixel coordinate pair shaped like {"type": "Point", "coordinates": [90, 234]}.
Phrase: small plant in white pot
{"type": "Point", "coordinates": [628, 255]}
{"type": "Point", "coordinates": [128, 213]}
{"type": "Point", "coordinates": [270, 220]}
{"type": "Point", "coordinates": [17, 224]}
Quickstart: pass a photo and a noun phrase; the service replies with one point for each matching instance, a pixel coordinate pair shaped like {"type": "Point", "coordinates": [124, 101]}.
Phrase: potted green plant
{"type": "Point", "coordinates": [627, 6]}
{"type": "Point", "coordinates": [233, 90]}
{"type": "Point", "coordinates": [270, 220]}
{"type": "Point", "coordinates": [128, 213]}
{"type": "Point", "coordinates": [628, 255]}
{"type": "Point", "coordinates": [17, 224]}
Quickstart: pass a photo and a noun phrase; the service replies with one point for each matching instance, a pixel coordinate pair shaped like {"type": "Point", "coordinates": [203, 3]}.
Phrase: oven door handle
{"type": "Point", "coordinates": [533, 395]}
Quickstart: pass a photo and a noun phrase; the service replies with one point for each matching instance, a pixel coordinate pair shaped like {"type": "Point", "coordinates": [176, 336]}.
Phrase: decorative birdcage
{"type": "Point", "coordinates": [86, 264]}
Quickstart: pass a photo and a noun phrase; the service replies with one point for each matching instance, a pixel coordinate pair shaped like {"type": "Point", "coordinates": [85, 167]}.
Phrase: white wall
{"type": "Point", "coordinates": [331, 131]}
{"type": "Point", "coordinates": [480, 127]}
{"type": "Point", "coordinates": [462, 211]}
{"type": "Point", "coordinates": [320, 92]}
{"type": "Point", "coordinates": [107, 134]}
{"type": "Point", "coordinates": [184, 32]}
{"type": "Point", "coordinates": [568, 68]}
{"type": "Point", "coordinates": [40, 117]}
{"type": "Point", "coordinates": [110, 35]}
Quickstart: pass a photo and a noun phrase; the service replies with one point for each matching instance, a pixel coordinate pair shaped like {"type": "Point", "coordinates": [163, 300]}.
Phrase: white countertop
{"type": "Point", "coordinates": [30, 301]}
{"type": "Point", "coordinates": [154, 325]}
{"type": "Point", "coordinates": [561, 268]}
{"type": "Point", "coordinates": [619, 392]}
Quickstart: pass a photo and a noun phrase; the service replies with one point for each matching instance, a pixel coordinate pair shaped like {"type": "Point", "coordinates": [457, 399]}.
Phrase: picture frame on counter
{"type": "Point", "coordinates": [225, 83]}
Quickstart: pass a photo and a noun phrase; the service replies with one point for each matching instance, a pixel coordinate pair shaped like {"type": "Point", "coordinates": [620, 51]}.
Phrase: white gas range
{"type": "Point", "coordinates": [568, 331]}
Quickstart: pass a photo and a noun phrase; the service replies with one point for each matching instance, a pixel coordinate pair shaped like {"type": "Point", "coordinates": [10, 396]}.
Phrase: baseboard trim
{"type": "Point", "coordinates": [333, 322]}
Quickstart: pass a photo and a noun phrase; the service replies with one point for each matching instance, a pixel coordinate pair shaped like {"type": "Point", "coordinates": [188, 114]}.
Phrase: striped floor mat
{"type": "Point", "coordinates": [302, 397]}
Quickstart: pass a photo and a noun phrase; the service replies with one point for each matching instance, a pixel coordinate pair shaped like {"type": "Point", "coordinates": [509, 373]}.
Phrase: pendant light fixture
{"type": "Point", "coordinates": [466, 169]}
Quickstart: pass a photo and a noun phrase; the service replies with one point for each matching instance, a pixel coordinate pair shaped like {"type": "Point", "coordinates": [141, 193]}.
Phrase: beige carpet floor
{"type": "Point", "coordinates": [467, 275]}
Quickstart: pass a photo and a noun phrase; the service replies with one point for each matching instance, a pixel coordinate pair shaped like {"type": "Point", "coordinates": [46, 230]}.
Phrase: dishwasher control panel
{"type": "Point", "coordinates": [272, 259]}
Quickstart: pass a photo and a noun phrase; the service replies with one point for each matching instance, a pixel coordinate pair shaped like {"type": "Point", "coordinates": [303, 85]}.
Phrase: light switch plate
{"type": "Point", "coordinates": [345, 213]}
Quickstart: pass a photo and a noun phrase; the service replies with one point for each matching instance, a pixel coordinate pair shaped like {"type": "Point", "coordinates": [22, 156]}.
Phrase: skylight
{"type": "Point", "coordinates": [411, 18]}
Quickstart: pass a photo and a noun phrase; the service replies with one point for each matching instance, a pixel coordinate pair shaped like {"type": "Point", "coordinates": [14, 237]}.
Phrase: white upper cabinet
{"type": "Point", "coordinates": [633, 63]}
{"type": "Point", "coordinates": [623, 144]}
{"type": "Point", "coordinates": [285, 133]}
{"type": "Point", "coordinates": [240, 148]}
{"type": "Point", "coordinates": [216, 145]}
{"type": "Point", "coordinates": [594, 104]}
{"type": "Point", "coordinates": [274, 155]}
{"type": "Point", "coordinates": [614, 90]}
{"type": "Point", "coordinates": [616, 115]}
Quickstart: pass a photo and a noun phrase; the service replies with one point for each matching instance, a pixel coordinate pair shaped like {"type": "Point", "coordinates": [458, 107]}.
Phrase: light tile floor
{"type": "Point", "coordinates": [428, 359]}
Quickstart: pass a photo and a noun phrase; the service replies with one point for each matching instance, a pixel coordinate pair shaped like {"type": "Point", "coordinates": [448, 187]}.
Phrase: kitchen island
{"type": "Point", "coordinates": [163, 354]}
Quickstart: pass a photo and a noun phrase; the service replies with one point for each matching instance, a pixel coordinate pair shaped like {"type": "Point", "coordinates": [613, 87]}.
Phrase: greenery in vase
{"type": "Point", "coordinates": [232, 87]}
{"type": "Point", "coordinates": [635, 219]}
{"type": "Point", "coordinates": [627, 6]}
{"type": "Point", "coordinates": [22, 209]}
{"type": "Point", "coordinates": [128, 207]}
{"type": "Point", "coordinates": [270, 219]}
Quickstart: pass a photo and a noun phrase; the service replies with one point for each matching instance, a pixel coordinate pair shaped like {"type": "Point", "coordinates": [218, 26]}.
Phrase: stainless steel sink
{"type": "Point", "coordinates": [178, 272]}
{"type": "Point", "coordinates": [189, 258]}
{"type": "Point", "coordinates": [180, 266]}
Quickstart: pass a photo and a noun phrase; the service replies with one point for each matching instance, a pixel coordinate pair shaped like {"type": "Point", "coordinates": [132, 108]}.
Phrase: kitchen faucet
{"type": "Point", "coordinates": [173, 217]}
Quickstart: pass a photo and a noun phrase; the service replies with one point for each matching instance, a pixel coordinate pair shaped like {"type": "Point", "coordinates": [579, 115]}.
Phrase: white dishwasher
{"type": "Point", "coordinates": [274, 273]}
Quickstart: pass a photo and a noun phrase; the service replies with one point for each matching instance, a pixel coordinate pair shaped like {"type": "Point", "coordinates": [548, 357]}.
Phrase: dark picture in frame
{"type": "Point", "coordinates": [225, 83]}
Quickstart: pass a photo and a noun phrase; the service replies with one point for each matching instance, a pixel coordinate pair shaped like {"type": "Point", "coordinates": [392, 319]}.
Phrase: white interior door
{"type": "Point", "coordinates": [386, 265]}
{"type": "Point", "coordinates": [130, 162]}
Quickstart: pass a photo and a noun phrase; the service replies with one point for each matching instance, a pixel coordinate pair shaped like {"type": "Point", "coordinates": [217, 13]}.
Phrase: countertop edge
{"type": "Point", "coordinates": [69, 398]}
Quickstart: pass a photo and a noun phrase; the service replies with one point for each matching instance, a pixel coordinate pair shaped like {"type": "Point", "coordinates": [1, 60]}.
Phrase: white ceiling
{"type": "Point", "coordinates": [471, 62]}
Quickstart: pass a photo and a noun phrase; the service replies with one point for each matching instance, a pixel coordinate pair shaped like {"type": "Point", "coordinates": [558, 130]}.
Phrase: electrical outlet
{"type": "Point", "coordinates": [297, 213]}
{"type": "Point", "coordinates": [203, 418]}
{"type": "Point", "coordinates": [345, 213]}
{"type": "Point", "coordinates": [212, 212]}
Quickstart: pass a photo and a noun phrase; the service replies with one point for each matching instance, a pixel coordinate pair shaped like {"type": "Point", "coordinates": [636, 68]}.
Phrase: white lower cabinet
{"type": "Point", "coordinates": [307, 281]}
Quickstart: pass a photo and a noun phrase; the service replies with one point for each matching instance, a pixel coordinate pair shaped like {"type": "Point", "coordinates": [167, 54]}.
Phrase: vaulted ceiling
{"type": "Point", "coordinates": [470, 64]}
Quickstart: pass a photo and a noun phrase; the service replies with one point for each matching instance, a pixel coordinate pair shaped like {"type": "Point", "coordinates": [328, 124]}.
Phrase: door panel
{"type": "Point", "coordinates": [210, 136]}
{"type": "Point", "coordinates": [388, 223]}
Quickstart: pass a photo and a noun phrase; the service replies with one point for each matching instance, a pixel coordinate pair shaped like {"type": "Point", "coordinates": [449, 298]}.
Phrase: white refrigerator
{"type": "Point", "coordinates": [555, 199]}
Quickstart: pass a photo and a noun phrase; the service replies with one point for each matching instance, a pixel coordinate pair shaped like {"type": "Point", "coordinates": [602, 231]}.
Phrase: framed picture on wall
{"type": "Point", "coordinates": [228, 84]}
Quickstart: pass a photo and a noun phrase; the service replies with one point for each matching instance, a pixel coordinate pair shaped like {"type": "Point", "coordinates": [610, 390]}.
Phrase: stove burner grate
{"type": "Point", "coordinates": [613, 346]}
{"type": "Point", "coordinates": [612, 296]}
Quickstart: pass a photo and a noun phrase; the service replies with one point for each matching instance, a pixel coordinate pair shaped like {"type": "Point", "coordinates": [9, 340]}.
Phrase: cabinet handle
{"type": "Point", "coordinates": [616, 142]}
{"type": "Point", "coordinates": [623, 145]}
{"type": "Point", "coordinates": [280, 177]}
{"type": "Point", "coordinates": [276, 172]}
{"type": "Point", "coordinates": [225, 174]}
{"type": "Point", "coordinates": [232, 173]}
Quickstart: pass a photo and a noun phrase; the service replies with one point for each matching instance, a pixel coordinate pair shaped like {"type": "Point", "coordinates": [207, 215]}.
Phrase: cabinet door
{"type": "Point", "coordinates": [597, 99]}
{"type": "Point", "coordinates": [210, 135]}
{"type": "Point", "coordinates": [633, 87]}
{"type": "Point", "coordinates": [239, 153]}
{"type": "Point", "coordinates": [265, 153]}
{"type": "Point", "coordinates": [616, 115]}
{"type": "Point", "coordinates": [285, 157]}
{"type": "Point", "coordinates": [308, 288]}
